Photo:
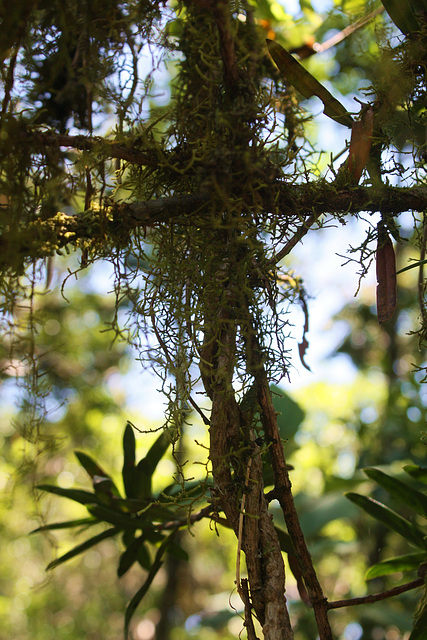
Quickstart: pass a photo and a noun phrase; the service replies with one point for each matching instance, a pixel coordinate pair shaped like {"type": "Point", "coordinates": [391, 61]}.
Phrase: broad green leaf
{"type": "Point", "coordinates": [88, 522]}
{"type": "Point", "coordinates": [400, 11]}
{"type": "Point", "coordinates": [400, 491]}
{"type": "Point", "coordinates": [290, 413]}
{"type": "Point", "coordinates": [316, 512]}
{"type": "Point", "coordinates": [307, 84]}
{"type": "Point", "coordinates": [78, 495]}
{"type": "Point", "coordinates": [128, 471]}
{"type": "Point", "coordinates": [135, 601]}
{"type": "Point", "coordinates": [390, 518]}
{"type": "Point", "coordinates": [417, 472]}
{"type": "Point", "coordinates": [420, 626]}
{"type": "Point", "coordinates": [285, 541]}
{"type": "Point", "coordinates": [408, 562]}
{"type": "Point", "coordinates": [83, 547]}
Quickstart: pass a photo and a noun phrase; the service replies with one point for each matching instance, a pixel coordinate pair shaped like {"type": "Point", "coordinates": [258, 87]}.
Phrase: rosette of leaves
{"type": "Point", "coordinates": [147, 522]}
{"type": "Point", "coordinates": [413, 533]}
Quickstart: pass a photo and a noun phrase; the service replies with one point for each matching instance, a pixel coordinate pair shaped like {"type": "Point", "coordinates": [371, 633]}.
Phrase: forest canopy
{"type": "Point", "coordinates": [189, 149]}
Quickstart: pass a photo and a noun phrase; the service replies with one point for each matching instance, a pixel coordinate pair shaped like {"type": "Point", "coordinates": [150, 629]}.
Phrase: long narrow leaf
{"type": "Point", "coordinates": [400, 491]}
{"type": "Point", "coordinates": [307, 84]}
{"type": "Point", "coordinates": [135, 601]}
{"type": "Point", "coordinates": [102, 482]}
{"type": "Point", "coordinates": [130, 556]}
{"type": "Point", "coordinates": [128, 471]}
{"type": "Point", "coordinates": [78, 495]}
{"type": "Point", "coordinates": [390, 518]}
{"type": "Point", "coordinates": [409, 562]}
{"type": "Point", "coordinates": [414, 470]}
{"type": "Point", "coordinates": [400, 11]}
{"type": "Point", "coordinates": [90, 465]}
{"type": "Point", "coordinates": [414, 265]}
{"type": "Point", "coordinates": [147, 466]}
{"type": "Point", "coordinates": [83, 547]}
{"type": "Point", "coordinates": [88, 522]}
{"type": "Point", "coordinates": [122, 520]}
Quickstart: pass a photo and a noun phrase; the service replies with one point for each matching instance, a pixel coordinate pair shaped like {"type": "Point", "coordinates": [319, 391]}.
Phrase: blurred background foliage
{"type": "Point", "coordinates": [377, 418]}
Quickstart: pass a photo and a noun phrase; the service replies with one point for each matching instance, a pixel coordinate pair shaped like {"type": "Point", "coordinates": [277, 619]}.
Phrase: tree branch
{"type": "Point", "coordinates": [375, 597]}
{"type": "Point", "coordinates": [42, 238]}
{"type": "Point", "coordinates": [109, 149]}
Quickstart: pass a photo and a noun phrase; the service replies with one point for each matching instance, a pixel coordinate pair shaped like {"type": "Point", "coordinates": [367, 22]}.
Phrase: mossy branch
{"type": "Point", "coordinates": [42, 238]}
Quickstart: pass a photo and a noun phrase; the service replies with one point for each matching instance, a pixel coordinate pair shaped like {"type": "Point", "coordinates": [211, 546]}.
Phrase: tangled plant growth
{"type": "Point", "coordinates": [196, 205]}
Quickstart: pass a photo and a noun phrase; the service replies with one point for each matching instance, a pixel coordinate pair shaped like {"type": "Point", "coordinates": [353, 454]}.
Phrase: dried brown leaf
{"type": "Point", "coordinates": [386, 276]}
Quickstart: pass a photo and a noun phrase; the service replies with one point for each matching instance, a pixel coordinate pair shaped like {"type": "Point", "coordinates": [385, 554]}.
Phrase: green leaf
{"type": "Point", "coordinates": [285, 541]}
{"type": "Point", "coordinates": [316, 512]}
{"type": "Point", "coordinates": [78, 495]}
{"type": "Point", "coordinates": [90, 465]}
{"type": "Point", "coordinates": [105, 488]}
{"type": "Point", "coordinates": [307, 84]}
{"type": "Point", "coordinates": [417, 472]}
{"type": "Point", "coordinates": [408, 562]}
{"type": "Point", "coordinates": [83, 547]}
{"type": "Point", "coordinates": [128, 471]}
{"type": "Point", "coordinates": [390, 518]}
{"type": "Point", "coordinates": [147, 466]}
{"type": "Point", "coordinates": [118, 518]}
{"type": "Point", "coordinates": [400, 11]}
{"type": "Point", "coordinates": [144, 557]}
{"type": "Point", "coordinates": [132, 555]}
{"type": "Point", "coordinates": [175, 550]}
{"type": "Point", "coordinates": [102, 482]}
{"type": "Point", "coordinates": [290, 414]}
{"type": "Point", "coordinates": [413, 265]}
{"type": "Point", "coordinates": [400, 491]}
{"type": "Point", "coordinates": [68, 524]}
{"type": "Point", "coordinates": [135, 601]}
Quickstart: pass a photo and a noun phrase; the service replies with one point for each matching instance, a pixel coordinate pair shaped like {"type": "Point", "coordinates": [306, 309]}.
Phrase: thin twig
{"type": "Point", "coordinates": [249, 623]}
{"type": "Point", "coordinates": [300, 233]}
{"type": "Point", "coordinates": [183, 522]}
{"type": "Point", "coordinates": [421, 281]}
{"type": "Point", "coordinates": [110, 149]}
{"type": "Point", "coordinates": [375, 597]}
{"type": "Point", "coordinates": [241, 522]}
{"type": "Point", "coordinates": [339, 37]}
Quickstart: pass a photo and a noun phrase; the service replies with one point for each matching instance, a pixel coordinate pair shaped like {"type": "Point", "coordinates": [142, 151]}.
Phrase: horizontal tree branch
{"type": "Point", "coordinates": [107, 148]}
{"type": "Point", "coordinates": [375, 597]}
{"type": "Point", "coordinates": [42, 238]}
